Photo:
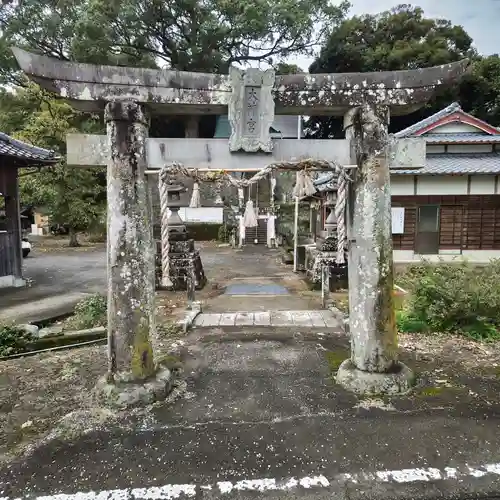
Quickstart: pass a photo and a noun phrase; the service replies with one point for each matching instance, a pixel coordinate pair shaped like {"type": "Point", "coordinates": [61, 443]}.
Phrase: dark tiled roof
{"type": "Point", "coordinates": [461, 138]}
{"type": "Point", "coordinates": [324, 178]}
{"type": "Point", "coordinates": [449, 110]}
{"type": "Point", "coordinates": [436, 164]}
{"type": "Point", "coordinates": [412, 129]}
{"type": "Point", "coordinates": [23, 151]}
{"type": "Point", "coordinates": [457, 164]}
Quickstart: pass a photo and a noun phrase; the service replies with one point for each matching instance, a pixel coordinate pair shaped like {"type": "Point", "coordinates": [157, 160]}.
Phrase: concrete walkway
{"type": "Point", "coordinates": [320, 319]}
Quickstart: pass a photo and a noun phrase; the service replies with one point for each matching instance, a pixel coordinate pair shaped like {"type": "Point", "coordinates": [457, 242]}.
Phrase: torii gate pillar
{"type": "Point", "coordinates": [130, 252]}
{"type": "Point", "coordinates": [373, 367]}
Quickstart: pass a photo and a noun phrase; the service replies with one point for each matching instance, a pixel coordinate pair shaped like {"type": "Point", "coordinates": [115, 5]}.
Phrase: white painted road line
{"type": "Point", "coordinates": [225, 488]}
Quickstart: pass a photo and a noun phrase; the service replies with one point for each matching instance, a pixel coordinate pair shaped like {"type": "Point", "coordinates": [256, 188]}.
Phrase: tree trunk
{"type": "Point", "coordinates": [73, 237]}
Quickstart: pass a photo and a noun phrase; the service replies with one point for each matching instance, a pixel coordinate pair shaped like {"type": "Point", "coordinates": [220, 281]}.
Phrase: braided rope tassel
{"type": "Point", "coordinates": [166, 282]}
{"type": "Point", "coordinates": [340, 208]}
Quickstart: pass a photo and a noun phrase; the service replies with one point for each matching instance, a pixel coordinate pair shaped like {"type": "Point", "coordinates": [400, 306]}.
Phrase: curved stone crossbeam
{"type": "Point", "coordinates": [177, 92]}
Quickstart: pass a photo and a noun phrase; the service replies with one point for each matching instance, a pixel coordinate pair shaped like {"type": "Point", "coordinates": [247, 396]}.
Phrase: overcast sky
{"type": "Point", "coordinates": [480, 18]}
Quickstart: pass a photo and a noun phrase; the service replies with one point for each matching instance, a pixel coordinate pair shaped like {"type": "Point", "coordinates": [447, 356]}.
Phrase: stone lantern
{"type": "Point", "coordinates": [184, 258]}
{"type": "Point", "coordinates": [176, 228]}
{"type": "Point", "coordinates": [331, 220]}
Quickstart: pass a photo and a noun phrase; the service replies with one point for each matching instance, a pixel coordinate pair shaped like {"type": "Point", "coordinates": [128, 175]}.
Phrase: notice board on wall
{"type": "Point", "coordinates": [398, 220]}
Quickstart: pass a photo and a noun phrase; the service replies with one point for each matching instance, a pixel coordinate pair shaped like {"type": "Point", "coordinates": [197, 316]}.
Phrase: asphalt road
{"type": "Point", "coordinates": [263, 420]}
{"type": "Point", "coordinates": [59, 273]}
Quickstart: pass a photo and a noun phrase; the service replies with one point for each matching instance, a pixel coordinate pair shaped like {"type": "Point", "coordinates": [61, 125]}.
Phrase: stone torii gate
{"type": "Point", "coordinates": [251, 97]}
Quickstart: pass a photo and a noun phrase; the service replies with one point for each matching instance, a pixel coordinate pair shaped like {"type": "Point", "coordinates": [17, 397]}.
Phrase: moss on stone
{"type": "Point", "coordinates": [170, 361]}
{"type": "Point", "coordinates": [430, 391]}
{"type": "Point", "coordinates": [335, 359]}
{"type": "Point", "coordinates": [386, 312]}
{"type": "Point", "coordinates": [142, 361]}
{"type": "Point", "coordinates": [435, 391]}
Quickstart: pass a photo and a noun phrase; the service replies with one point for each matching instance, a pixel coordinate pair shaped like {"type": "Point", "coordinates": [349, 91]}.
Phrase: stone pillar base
{"type": "Point", "coordinates": [130, 394]}
{"type": "Point", "coordinates": [368, 383]}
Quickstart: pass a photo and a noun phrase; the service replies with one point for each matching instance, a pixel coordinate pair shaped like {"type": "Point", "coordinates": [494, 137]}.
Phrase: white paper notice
{"type": "Point", "coordinates": [398, 220]}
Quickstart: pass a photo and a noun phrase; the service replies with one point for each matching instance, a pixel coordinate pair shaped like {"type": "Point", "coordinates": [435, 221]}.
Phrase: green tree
{"type": "Point", "coordinates": [192, 35]}
{"type": "Point", "coordinates": [182, 34]}
{"type": "Point", "coordinates": [480, 91]}
{"type": "Point", "coordinates": [49, 27]}
{"type": "Point", "coordinates": [73, 196]}
{"type": "Point", "coordinates": [283, 68]}
{"type": "Point", "coordinates": [401, 38]}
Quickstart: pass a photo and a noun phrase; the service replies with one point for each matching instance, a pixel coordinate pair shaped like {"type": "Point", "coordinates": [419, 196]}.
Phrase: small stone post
{"type": "Point", "coordinates": [373, 367]}
{"type": "Point", "coordinates": [325, 284]}
{"type": "Point", "coordinates": [296, 235]}
{"type": "Point", "coordinates": [132, 376]}
{"type": "Point", "coordinates": [190, 285]}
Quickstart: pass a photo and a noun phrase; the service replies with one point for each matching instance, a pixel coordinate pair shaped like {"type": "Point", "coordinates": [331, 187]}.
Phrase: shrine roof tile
{"type": "Point", "coordinates": [458, 138]}
{"type": "Point", "coordinates": [14, 148]}
{"type": "Point", "coordinates": [457, 164]}
{"type": "Point", "coordinates": [413, 129]}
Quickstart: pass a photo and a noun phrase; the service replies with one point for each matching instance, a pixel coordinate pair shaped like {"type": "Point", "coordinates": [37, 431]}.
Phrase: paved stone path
{"type": "Point", "coordinates": [319, 319]}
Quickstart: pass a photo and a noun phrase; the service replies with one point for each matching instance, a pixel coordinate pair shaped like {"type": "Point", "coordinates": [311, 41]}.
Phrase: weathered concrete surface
{"type": "Point", "coordinates": [90, 86]}
{"type": "Point", "coordinates": [268, 411]}
{"type": "Point", "coordinates": [126, 395]}
{"type": "Point", "coordinates": [40, 310]}
{"type": "Point", "coordinates": [277, 318]}
{"type": "Point", "coordinates": [399, 381]}
{"type": "Point", "coordinates": [89, 149]}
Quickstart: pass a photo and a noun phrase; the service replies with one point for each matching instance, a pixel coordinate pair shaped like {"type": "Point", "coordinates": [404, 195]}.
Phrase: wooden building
{"type": "Point", "coordinates": [450, 208]}
{"type": "Point", "coordinates": [13, 156]}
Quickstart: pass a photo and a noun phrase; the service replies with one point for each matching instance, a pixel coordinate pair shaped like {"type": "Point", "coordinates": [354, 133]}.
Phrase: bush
{"type": "Point", "coordinates": [224, 233]}
{"type": "Point", "coordinates": [407, 323]}
{"type": "Point", "coordinates": [13, 340]}
{"type": "Point", "coordinates": [456, 298]}
{"type": "Point", "coordinates": [90, 313]}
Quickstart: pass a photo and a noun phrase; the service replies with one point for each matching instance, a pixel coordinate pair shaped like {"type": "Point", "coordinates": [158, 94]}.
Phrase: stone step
{"type": "Point", "coordinates": [308, 319]}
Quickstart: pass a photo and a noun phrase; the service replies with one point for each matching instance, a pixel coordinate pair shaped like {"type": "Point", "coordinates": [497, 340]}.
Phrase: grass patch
{"type": "Point", "coordinates": [431, 391]}
{"type": "Point", "coordinates": [409, 324]}
{"type": "Point", "coordinates": [89, 313]}
{"type": "Point", "coordinates": [14, 340]}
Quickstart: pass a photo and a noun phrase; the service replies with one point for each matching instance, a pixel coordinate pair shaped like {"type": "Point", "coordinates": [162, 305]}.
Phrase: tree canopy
{"type": "Point", "coordinates": [403, 38]}
{"type": "Point", "coordinates": [197, 35]}
{"type": "Point", "coordinates": [72, 195]}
